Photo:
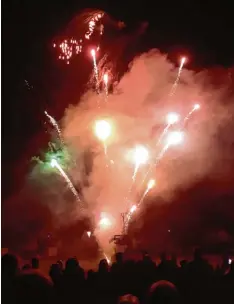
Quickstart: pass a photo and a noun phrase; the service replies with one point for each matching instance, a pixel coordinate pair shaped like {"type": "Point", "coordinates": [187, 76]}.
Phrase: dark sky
{"type": "Point", "coordinates": [204, 29]}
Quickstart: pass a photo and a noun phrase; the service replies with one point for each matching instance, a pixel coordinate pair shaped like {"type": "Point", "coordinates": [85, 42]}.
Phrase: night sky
{"type": "Point", "coordinates": [31, 73]}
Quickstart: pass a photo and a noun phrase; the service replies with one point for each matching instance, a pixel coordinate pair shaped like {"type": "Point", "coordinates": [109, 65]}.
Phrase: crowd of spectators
{"type": "Point", "coordinates": [121, 282]}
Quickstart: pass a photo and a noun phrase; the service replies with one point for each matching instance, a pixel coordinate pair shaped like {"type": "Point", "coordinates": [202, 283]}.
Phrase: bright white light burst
{"type": "Point", "coordinates": [175, 138]}
{"type": "Point", "coordinates": [102, 129]}
{"type": "Point", "coordinates": [172, 118]}
{"type": "Point", "coordinates": [141, 155]}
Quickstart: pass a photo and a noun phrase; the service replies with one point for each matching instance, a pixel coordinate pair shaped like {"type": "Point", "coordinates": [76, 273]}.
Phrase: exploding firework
{"type": "Point", "coordinates": [102, 130]}
{"type": "Point", "coordinates": [85, 24]}
{"type": "Point", "coordinates": [174, 87]}
{"type": "Point", "coordinates": [140, 157]}
{"type": "Point", "coordinates": [55, 164]}
{"type": "Point", "coordinates": [55, 125]}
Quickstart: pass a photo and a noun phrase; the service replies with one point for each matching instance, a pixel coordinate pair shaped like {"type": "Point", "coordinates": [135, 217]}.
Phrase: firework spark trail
{"type": "Point", "coordinates": [92, 24]}
{"type": "Point", "coordinates": [105, 80]}
{"type": "Point", "coordinates": [174, 87]}
{"type": "Point", "coordinates": [55, 125]}
{"type": "Point", "coordinates": [172, 118]}
{"type": "Point", "coordinates": [95, 69]}
{"type": "Point", "coordinates": [55, 164]}
{"type": "Point", "coordinates": [195, 107]}
{"type": "Point", "coordinates": [70, 47]}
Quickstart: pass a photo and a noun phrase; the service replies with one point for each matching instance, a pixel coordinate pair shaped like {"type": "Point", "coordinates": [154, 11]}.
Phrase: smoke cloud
{"type": "Point", "coordinates": [136, 110]}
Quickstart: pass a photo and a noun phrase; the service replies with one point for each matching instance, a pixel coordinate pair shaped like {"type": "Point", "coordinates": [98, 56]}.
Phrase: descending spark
{"type": "Point", "coordinates": [68, 48]}
{"type": "Point", "coordinates": [105, 80]}
{"type": "Point", "coordinates": [55, 125]}
{"type": "Point", "coordinates": [89, 233]}
{"type": "Point", "coordinates": [92, 24]}
{"type": "Point", "coordinates": [107, 259]}
{"type": "Point", "coordinates": [174, 138]}
{"type": "Point", "coordinates": [173, 89]}
{"type": "Point", "coordinates": [55, 164]}
{"type": "Point", "coordinates": [195, 108]}
{"type": "Point", "coordinates": [102, 130]}
{"type": "Point", "coordinates": [93, 54]}
{"type": "Point", "coordinates": [104, 222]}
{"type": "Point", "coordinates": [150, 185]}
{"type": "Point", "coordinates": [171, 119]}
{"type": "Point", "coordinates": [141, 156]}
{"type": "Point", "coordinates": [129, 216]}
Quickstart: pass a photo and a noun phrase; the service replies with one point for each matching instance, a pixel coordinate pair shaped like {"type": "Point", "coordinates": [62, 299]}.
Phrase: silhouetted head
{"type": "Point", "coordinates": [33, 288]}
{"type": "Point", "coordinates": [55, 271]}
{"type": "Point", "coordinates": [26, 267]}
{"type": "Point", "coordinates": [60, 263]}
{"type": "Point", "coordinates": [163, 256]}
{"type": "Point", "coordinates": [183, 263]}
{"type": "Point", "coordinates": [35, 263]}
{"type": "Point", "coordinates": [128, 299]}
{"type": "Point", "coordinates": [119, 257]}
{"type": "Point", "coordinates": [103, 266]}
{"type": "Point", "coordinates": [71, 264]}
{"type": "Point", "coordinates": [197, 255]}
{"type": "Point", "coordinates": [9, 265]}
{"type": "Point", "coordinates": [163, 292]}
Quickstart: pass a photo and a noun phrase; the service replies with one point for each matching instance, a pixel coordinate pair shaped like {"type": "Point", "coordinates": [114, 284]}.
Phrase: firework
{"type": "Point", "coordinates": [55, 164]}
{"type": "Point", "coordinates": [150, 185]}
{"type": "Point", "coordinates": [105, 221]}
{"type": "Point", "coordinates": [172, 118]}
{"type": "Point", "coordinates": [102, 130]}
{"type": "Point", "coordinates": [140, 157]}
{"type": "Point", "coordinates": [174, 87]}
{"type": "Point", "coordinates": [174, 138]}
{"type": "Point", "coordinates": [95, 69]}
{"type": "Point", "coordinates": [105, 80]}
{"type": "Point", "coordinates": [89, 234]}
{"type": "Point", "coordinates": [55, 125]}
{"type": "Point", "coordinates": [195, 108]}
{"type": "Point", "coordinates": [70, 46]}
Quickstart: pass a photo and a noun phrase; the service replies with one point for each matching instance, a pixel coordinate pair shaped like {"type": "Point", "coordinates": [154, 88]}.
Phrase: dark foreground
{"type": "Point", "coordinates": [144, 281]}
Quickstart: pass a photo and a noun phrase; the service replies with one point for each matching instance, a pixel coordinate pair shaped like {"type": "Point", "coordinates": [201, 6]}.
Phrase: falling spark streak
{"type": "Point", "coordinates": [174, 87]}
{"type": "Point", "coordinates": [141, 156]}
{"type": "Point", "coordinates": [174, 138]}
{"type": "Point", "coordinates": [105, 80]}
{"type": "Point", "coordinates": [150, 185]}
{"type": "Point", "coordinates": [107, 259]}
{"type": "Point", "coordinates": [195, 108]}
{"type": "Point", "coordinates": [172, 118]}
{"type": "Point", "coordinates": [93, 54]}
{"type": "Point", "coordinates": [89, 233]}
{"type": "Point", "coordinates": [55, 164]}
{"type": "Point", "coordinates": [55, 125]}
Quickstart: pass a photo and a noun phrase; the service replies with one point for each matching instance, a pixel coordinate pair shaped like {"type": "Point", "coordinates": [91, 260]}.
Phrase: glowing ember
{"type": "Point", "coordinates": [105, 222]}
{"type": "Point", "coordinates": [133, 208]}
{"type": "Point", "coordinates": [175, 138]}
{"type": "Point", "coordinates": [141, 155]}
{"type": "Point", "coordinates": [151, 184]}
{"type": "Point", "coordinates": [172, 118]}
{"type": "Point", "coordinates": [102, 129]}
{"type": "Point", "coordinates": [196, 106]}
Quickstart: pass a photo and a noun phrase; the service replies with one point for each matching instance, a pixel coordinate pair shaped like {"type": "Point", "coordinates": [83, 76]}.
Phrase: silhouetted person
{"type": "Point", "coordinates": [9, 272]}
{"type": "Point", "coordinates": [163, 292]}
{"type": "Point", "coordinates": [128, 299]}
{"type": "Point", "coordinates": [33, 288]}
{"type": "Point", "coordinates": [26, 267]}
{"type": "Point", "coordinates": [35, 263]}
